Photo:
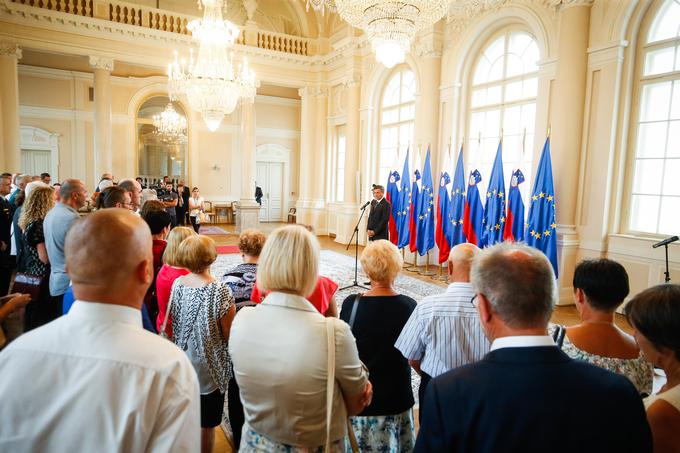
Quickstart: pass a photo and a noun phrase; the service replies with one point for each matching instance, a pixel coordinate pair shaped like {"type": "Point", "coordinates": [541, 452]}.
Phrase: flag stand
{"type": "Point", "coordinates": [413, 267]}
{"type": "Point", "coordinates": [441, 277]}
{"type": "Point", "coordinates": [405, 265]}
{"type": "Point", "coordinates": [427, 272]}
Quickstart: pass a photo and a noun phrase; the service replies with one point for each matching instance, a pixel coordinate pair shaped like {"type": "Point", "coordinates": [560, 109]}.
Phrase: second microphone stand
{"type": "Point", "coordinates": [355, 236]}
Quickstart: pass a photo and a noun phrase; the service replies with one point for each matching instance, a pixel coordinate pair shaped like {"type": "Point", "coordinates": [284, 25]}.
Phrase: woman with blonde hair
{"type": "Point", "coordinates": [282, 351]}
{"type": "Point", "coordinates": [34, 259]}
{"type": "Point", "coordinates": [202, 309]}
{"type": "Point", "coordinates": [376, 319]}
{"type": "Point", "coordinates": [172, 269]}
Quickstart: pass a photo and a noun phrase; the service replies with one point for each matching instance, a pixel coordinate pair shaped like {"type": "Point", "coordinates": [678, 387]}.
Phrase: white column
{"type": "Point", "coordinates": [568, 105]}
{"type": "Point", "coordinates": [318, 161]}
{"type": "Point", "coordinates": [352, 154]}
{"type": "Point", "coordinates": [249, 211]}
{"type": "Point", "coordinates": [10, 151]}
{"type": "Point", "coordinates": [103, 157]}
{"type": "Point", "coordinates": [307, 143]}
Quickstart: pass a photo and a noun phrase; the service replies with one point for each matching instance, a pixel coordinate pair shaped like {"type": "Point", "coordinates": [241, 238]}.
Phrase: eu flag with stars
{"type": "Point", "coordinates": [413, 223]}
{"type": "Point", "coordinates": [457, 208]}
{"type": "Point", "coordinates": [425, 229]}
{"type": "Point", "coordinates": [392, 196]}
{"type": "Point", "coordinates": [404, 207]}
{"type": "Point", "coordinates": [474, 212]}
{"type": "Point", "coordinates": [541, 231]}
{"type": "Point", "coordinates": [443, 223]}
{"type": "Point", "coordinates": [514, 219]}
{"type": "Point", "coordinates": [494, 206]}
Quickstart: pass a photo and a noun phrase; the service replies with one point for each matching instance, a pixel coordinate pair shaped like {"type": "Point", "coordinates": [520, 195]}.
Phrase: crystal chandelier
{"type": "Point", "coordinates": [391, 25]}
{"type": "Point", "coordinates": [171, 127]}
{"type": "Point", "coordinates": [212, 83]}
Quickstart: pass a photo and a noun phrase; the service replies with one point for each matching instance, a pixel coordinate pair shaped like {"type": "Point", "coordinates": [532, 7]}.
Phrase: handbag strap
{"type": "Point", "coordinates": [167, 315]}
{"type": "Point", "coordinates": [353, 315]}
{"type": "Point", "coordinates": [558, 335]}
{"type": "Point", "coordinates": [330, 379]}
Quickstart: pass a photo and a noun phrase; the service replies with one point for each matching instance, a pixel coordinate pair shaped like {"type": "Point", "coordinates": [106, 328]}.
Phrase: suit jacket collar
{"type": "Point", "coordinates": [529, 355]}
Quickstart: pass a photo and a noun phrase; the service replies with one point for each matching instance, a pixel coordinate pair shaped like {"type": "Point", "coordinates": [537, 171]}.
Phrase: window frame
{"type": "Point", "coordinates": [475, 161]}
{"type": "Point", "coordinates": [381, 125]}
{"type": "Point", "coordinates": [639, 52]}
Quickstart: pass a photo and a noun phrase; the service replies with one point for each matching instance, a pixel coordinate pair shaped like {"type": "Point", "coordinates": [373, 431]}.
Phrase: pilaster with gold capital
{"type": "Point", "coordinates": [10, 152]}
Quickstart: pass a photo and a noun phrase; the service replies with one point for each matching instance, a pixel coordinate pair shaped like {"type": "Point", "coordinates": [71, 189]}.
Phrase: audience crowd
{"type": "Point", "coordinates": [152, 349]}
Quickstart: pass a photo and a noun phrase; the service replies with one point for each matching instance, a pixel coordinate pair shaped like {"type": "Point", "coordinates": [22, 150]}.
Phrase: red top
{"type": "Point", "coordinates": [158, 247]}
{"type": "Point", "coordinates": [164, 281]}
{"type": "Point", "coordinates": [321, 298]}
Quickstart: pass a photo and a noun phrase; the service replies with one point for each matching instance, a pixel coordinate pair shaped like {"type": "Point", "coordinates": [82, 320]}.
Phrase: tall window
{"type": "Point", "coordinates": [340, 148]}
{"type": "Point", "coordinates": [397, 119]}
{"type": "Point", "coordinates": [503, 98]}
{"type": "Point", "coordinates": [655, 197]}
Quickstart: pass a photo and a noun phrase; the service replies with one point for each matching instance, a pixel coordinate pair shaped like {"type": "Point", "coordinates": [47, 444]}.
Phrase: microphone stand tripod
{"type": "Point", "coordinates": [355, 236]}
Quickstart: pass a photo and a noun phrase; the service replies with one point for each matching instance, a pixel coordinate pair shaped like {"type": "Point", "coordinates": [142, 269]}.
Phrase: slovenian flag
{"type": "Point", "coordinates": [514, 219]}
{"type": "Point", "coordinates": [474, 212]}
{"type": "Point", "coordinates": [392, 196]}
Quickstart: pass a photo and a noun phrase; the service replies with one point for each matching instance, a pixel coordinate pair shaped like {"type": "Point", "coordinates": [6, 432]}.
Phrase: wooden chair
{"type": "Point", "coordinates": [209, 211]}
{"type": "Point", "coordinates": [292, 217]}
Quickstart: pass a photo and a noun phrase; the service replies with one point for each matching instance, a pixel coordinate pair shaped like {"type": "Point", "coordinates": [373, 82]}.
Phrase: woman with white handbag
{"type": "Point", "coordinates": [299, 373]}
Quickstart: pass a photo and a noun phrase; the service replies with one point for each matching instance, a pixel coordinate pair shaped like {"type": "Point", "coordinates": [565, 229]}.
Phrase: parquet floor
{"type": "Point", "coordinates": [566, 315]}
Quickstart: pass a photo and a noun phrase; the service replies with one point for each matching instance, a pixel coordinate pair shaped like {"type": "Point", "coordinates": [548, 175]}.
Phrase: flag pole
{"type": "Point", "coordinates": [414, 266]}
{"type": "Point", "coordinates": [405, 265]}
{"type": "Point", "coordinates": [427, 272]}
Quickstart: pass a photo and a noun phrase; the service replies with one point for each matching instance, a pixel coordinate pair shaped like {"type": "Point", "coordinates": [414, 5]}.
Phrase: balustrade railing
{"type": "Point", "coordinates": [156, 19]}
{"type": "Point", "coordinates": [79, 7]}
{"type": "Point", "coordinates": [282, 43]}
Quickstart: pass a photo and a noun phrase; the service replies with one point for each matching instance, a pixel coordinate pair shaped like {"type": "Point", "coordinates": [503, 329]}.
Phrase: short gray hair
{"type": "Point", "coordinates": [130, 185]}
{"type": "Point", "coordinates": [70, 186]}
{"type": "Point", "coordinates": [519, 283]}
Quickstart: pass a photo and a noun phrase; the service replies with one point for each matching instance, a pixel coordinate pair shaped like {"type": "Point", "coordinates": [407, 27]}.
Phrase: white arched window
{"type": "Point", "coordinates": [503, 91]}
{"type": "Point", "coordinates": [655, 194]}
{"type": "Point", "coordinates": [397, 120]}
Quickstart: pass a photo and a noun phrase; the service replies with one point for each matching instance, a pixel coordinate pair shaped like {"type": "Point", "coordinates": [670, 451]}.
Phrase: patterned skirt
{"type": "Point", "coordinates": [385, 433]}
{"type": "Point", "coordinates": [254, 442]}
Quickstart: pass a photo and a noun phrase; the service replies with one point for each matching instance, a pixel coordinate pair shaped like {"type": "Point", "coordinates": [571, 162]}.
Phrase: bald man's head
{"type": "Point", "coordinates": [109, 257]}
{"type": "Point", "coordinates": [460, 262]}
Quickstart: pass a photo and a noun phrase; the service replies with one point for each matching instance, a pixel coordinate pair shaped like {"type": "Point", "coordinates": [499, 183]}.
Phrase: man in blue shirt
{"type": "Point", "coordinates": [57, 223]}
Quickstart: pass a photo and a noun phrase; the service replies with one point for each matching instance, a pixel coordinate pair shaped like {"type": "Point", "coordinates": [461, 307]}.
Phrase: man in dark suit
{"type": "Point", "coordinates": [6, 264]}
{"type": "Point", "coordinates": [379, 216]}
{"type": "Point", "coordinates": [526, 395]}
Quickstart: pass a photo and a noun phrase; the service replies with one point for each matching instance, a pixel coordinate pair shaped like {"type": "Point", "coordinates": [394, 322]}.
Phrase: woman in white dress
{"type": "Point", "coordinates": [196, 206]}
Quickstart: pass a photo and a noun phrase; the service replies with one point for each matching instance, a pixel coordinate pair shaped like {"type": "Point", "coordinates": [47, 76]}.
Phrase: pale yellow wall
{"type": "Point", "coordinates": [45, 92]}
{"type": "Point", "coordinates": [277, 116]}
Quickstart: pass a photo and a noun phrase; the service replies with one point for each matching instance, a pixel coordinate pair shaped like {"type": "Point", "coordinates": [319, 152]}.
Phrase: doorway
{"type": "Point", "coordinates": [270, 180]}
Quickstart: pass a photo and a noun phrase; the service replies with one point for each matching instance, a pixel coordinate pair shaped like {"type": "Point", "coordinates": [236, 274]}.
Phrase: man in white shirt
{"type": "Point", "coordinates": [444, 332]}
{"type": "Point", "coordinates": [95, 380]}
{"type": "Point", "coordinates": [526, 394]}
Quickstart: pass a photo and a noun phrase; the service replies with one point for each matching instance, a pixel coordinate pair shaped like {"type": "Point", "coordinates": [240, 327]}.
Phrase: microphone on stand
{"type": "Point", "coordinates": [368, 202]}
{"type": "Point", "coordinates": [665, 241]}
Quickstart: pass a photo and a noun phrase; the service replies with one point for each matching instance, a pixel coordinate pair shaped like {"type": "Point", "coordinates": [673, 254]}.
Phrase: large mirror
{"type": "Point", "coordinates": [158, 154]}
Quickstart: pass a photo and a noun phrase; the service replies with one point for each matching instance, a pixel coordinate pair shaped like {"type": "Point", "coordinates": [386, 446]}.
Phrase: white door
{"type": "Point", "coordinates": [34, 162]}
{"type": "Point", "coordinates": [274, 192]}
{"type": "Point", "coordinates": [270, 180]}
{"type": "Point", "coordinates": [261, 180]}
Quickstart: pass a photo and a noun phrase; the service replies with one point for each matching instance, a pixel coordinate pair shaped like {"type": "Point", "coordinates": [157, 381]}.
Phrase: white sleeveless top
{"type": "Point", "coordinates": [671, 396]}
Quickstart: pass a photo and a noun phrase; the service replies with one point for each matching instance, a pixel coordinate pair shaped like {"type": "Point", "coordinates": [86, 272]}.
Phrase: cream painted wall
{"type": "Point", "coordinates": [57, 101]}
